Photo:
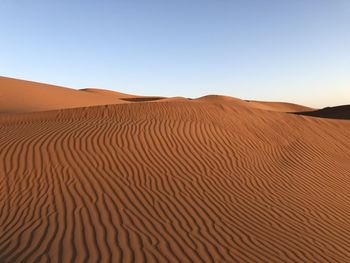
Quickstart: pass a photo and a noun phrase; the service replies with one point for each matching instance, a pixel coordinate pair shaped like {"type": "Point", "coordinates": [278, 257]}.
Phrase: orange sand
{"type": "Point", "coordinates": [214, 179]}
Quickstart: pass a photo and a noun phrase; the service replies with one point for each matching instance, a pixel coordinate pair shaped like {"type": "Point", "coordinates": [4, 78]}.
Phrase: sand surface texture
{"type": "Point", "coordinates": [213, 179]}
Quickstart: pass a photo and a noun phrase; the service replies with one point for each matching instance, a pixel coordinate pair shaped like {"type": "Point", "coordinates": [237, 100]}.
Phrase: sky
{"type": "Point", "coordinates": [290, 50]}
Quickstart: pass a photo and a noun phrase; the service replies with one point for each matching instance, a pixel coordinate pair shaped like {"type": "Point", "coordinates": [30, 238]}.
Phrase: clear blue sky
{"type": "Point", "coordinates": [289, 50]}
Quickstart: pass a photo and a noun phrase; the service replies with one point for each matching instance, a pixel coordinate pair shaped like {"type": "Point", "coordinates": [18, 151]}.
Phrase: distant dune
{"type": "Point", "coordinates": [279, 106]}
{"type": "Point", "coordinates": [99, 176]}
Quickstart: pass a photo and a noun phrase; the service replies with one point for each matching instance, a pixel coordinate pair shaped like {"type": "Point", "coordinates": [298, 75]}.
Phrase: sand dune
{"type": "Point", "coordinates": [279, 106]}
{"type": "Point", "coordinates": [262, 105]}
{"type": "Point", "coordinates": [174, 180]}
{"type": "Point", "coordinates": [18, 96]}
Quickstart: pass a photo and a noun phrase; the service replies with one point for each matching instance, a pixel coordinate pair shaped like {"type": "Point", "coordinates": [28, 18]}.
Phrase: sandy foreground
{"type": "Point", "coordinates": [100, 176]}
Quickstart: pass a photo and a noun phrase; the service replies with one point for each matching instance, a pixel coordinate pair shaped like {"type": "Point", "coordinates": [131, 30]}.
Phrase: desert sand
{"type": "Point", "coordinates": [100, 176]}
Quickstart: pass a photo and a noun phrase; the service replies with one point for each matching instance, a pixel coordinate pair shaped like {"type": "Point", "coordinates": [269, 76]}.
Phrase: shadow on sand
{"type": "Point", "coordinates": [338, 112]}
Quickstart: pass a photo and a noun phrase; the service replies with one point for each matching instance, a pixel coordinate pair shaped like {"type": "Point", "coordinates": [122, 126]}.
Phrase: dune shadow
{"type": "Point", "coordinates": [338, 112]}
{"type": "Point", "coordinates": [142, 99]}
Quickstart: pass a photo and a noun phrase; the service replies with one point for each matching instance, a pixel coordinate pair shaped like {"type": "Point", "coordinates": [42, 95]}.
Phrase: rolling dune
{"type": "Point", "coordinates": [212, 179]}
{"type": "Point", "coordinates": [279, 106]}
{"type": "Point", "coordinates": [19, 96]}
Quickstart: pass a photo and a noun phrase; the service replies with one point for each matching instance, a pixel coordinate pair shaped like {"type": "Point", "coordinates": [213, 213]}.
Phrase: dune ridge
{"type": "Point", "coordinates": [20, 96]}
{"type": "Point", "coordinates": [204, 180]}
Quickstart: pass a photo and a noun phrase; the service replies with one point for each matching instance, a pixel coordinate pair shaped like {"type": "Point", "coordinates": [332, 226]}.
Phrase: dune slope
{"type": "Point", "coordinates": [279, 106]}
{"type": "Point", "coordinates": [175, 181]}
{"type": "Point", "coordinates": [18, 96]}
